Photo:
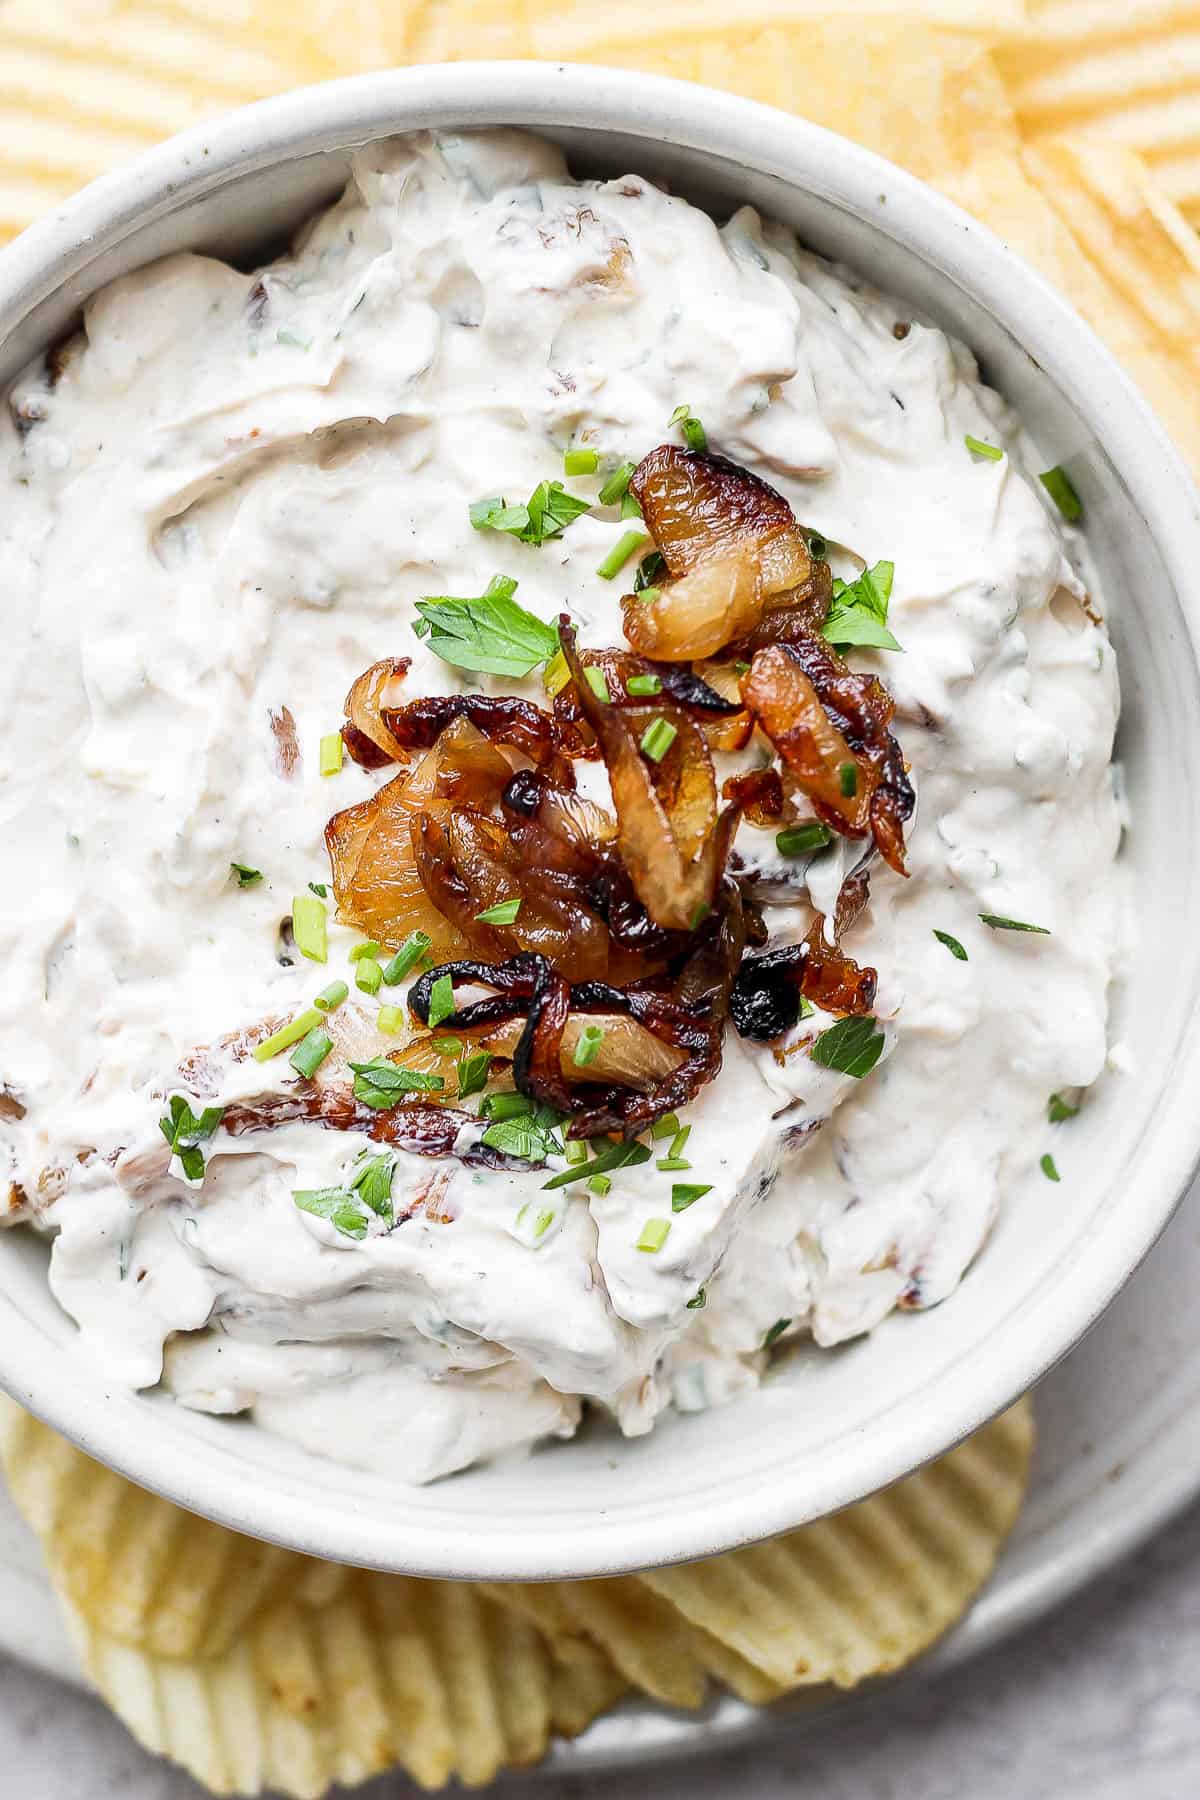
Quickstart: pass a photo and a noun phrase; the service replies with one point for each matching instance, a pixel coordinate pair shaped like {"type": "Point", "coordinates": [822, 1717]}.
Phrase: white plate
{"type": "Point", "coordinates": [1118, 1452]}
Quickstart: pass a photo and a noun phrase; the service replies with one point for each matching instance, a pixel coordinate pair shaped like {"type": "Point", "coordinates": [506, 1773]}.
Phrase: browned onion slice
{"type": "Point", "coordinates": [416, 1127]}
{"type": "Point", "coordinates": [366, 734]}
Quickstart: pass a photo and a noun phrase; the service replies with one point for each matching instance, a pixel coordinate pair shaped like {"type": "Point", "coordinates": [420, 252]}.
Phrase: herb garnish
{"type": "Point", "coordinates": [246, 876]}
{"type": "Point", "coordinates": [580, 462]}
{"type": "Point", "coordinates": [848, 780]}
{"type": "Point", "coordinates": [851, 1047]}
{"type": "Point", "coordinates": [650, 570]}
{"type": "Point", "coordinates": [952, 944]}
{"type": "Point", "coordinates": [503, 913]}
{"type": "Point", "coordinates": [441, 1001]}
{"type": "Point", "coordinates": [489, 634]}
{"type": "Point", "coordinates": [406, 958]}
{"type": "Point", "coordinates": [798, 840]}
{"type": "Point", "coordinates": [546, 514]}
{"type": "Point", "coordinates": [185, 1133]}
{"type": "Point", "coordinates": [694, 434]}
{"type": "Point", "coordinates": [978, 447]}
{"type": "Point", "coordinates": [619, 555]}
{"type": "Point", "coordinates": [1061, 489]}
{"type": "Point", "coordinates": [657, 739]}
{"type": "Point", "coordinates": [617, 484]}
{"type": "Point", "coordinates": [332, 749]}
{"type": "Point", "coordinates": [999, 924]}
{"type": "Point", "coordinates": [335, 1204]}
{"type": "Point", "coordinates": [373, 1183]}
{"type": "Point", "coordinates": [311, 1052]}
{"type": "Point", "coordinates": [473, 1071]}
{"type": "Point", "coordinates": [383, 1084]}
{"type": "Point", "coordinates": [532, 1135]}
{"type": "Point", "coordinates": [587, 1047]}
{"type": "Point", "coordinates": [614, 1156]}
{"type": "Point", "coordinates": [860, 610]}
{"type": "Point", "coordinates": [309, 921]}
{"type": "Point", "coordinates": [1058, 1110]}
{"type": "Point", "coordinates": [777, 1330]}
{"type": "Point", "coordinates": [1048, 1169]}
{"type": "Point", "coordinates": [686, 1193]}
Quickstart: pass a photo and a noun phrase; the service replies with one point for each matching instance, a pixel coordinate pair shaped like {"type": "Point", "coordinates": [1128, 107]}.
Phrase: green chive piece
{"type": "Point", "coordinates": [287, 1035]}
{"type": "Point", "coordinates": [406, 958]}
{"type": "Point", "coordinates": [507, 1106]}
{"type": "Point", "coordinates": [630, 509]}
{"type": "Point", "coordinates": [694, 434]}
{"type": "Point", "coordinates": [613, 1156]}
{"type": "Point", "coordinates": [673, 1165]}
{"type": "Point", "coordinates": [331, 997]}
{"type": "Point", "coordinates": [679, 1141]}
{"type": "Point", "coordinates": [503, 913]}
{"type": "Point", "coordinates": [580, 462]}
{"type": "Point", "coordinates": [543, 1222]}
{"type": "Point", "coordinates": [441, 1001]}
{"type": "Point", "coordinates": [649, 595]}
{"type": "Point", "coordinates": [851, 1047]}
{"type": "Point", "coordinates": [999, 924]}
{"type": "Point", "coordinates": [799, 840]}
{"type": "Point", "coordinates": [686, 1193]}
{"type": "Point", "coordinates": [952, 944]}
{"type": "Point", "coordinates": [576, 1152]}
{"type": "Point", "coordinates": [390, 1019]}
{"type": "Point", "coordinates": [848, 780]}
{"type": "Point", "coordinates": [588, 1045]}
{"type": "Point", "coordinates": [599, 686]}
{"type": "Point", "coordinates": [368, 976]}
{"type": "Point", "coordinates": [617, 484]}
{"type": "Point", "coordinates": [1048, 1169]}
{"type": "Point", "coordinates": [246, 876]}
{"type": "Point", "coordinates": [370, 950]}
{"type": "Point", "coordinates": [619, 555]}
{"type": "Point", "coordinates": [331, 753]}
{"type": "Point", "coordinates": [657, 739]}
{"type": "Point", "coordinates": [818, 549]}
{"type": "Point", "coordinates": [698, 1301]}
{"type": "Point", "coordinates": [666, 1127]}
{"type": "Point", "coordinates": [650, 569]}
{"type": "Point", "coordinates": [556, 674]}
{"type": "Point", "coordinates": [644, 686]}
{"type": "Point", "coordinates": [978, 447]}
{"type": "Point", "coordinates": [654, 1235]}
{"type": "Point", "coordinates": [777, 1330]}
{"type": "Point", "coordinates": [1058, 1110]}
{"type": "Point", "coordinates": [311, 1051]}
{"type": "Point", "coordinates": [309, 927]}
{"type": "Point", "coordinates": [600, 1184]}
{"type": "Point", "coordinates": [1061, 489]}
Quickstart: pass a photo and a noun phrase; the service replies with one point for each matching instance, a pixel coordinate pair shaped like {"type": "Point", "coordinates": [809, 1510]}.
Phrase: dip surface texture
{"type": "Point", "coordinates": [221, 504]}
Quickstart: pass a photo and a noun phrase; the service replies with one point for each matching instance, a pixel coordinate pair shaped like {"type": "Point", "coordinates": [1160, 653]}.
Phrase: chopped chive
{"type": "Point", "coordinates": [1059, 486]}
{"type": "Point", "coordinates": [978, 447]}
{"type": "Point", "coordinates": [287, 1035]}
{"type": "Point", "coordinates": [580, 462]}
{"type": "Point", "coordinates": [588, 1046]}
{"type": "Point", "coordinates": [309, 927]}
{"type": "Point", "coordinates": [508, 1106]}
{"type": "Point", "coordinates": [649, 595]}
{"type": "Point", "coordinates": [654, 1235]}
{"type": "Point", "coordinates": [673, 1165]}
{"type": "Point", "coordinates": [741, 668]}
{"type": "Point", "coordinates": [246, 876]}
{"type": "Point", "coordinates": [1058, 1110]}
{"type": "Point", "coordinates": [818, 549]}
{"type": "Point", "coordinates": [612, 1156]}
{"type": "Point", "coordinates": [798, 840]}
{"type": "Point", "coordinates": [698, 1301]}
{"type": "Point", "coordinates": [666, 1127]}
{"type": "Point", "coordinates": [599, 686]}
{"type": "Point", "coordinates": [503, 913]}
{"type": "Point", "coordinates": [331, 753]}
{"type": "Point", "coordinates": [700, 912]}
{"type": "Point", "coordinates": [311, 1051]}
{"type": "Point", "coordinates": [543, 1222]}
{"type": "Point", "coordinates": [848, 780]}
{"type": "Point", "coordinates": [1048, 1169]}
{"type": "Point", "coordinates": [657, 739]}
{"type": "Point", "coordinates": [390, 1019]}
{"type": "Point", "coordinates": [694, 434]}
{"type": "Point", "coordinates": [619, 555]}
{"type": "Point", "coordinates": [370, 950]}
{"type": "Point", "coordinates": [650, 569]}
{"type": "Point", "coordinates": [629, 508]}
{"type": "Point", "coordinates": [679, 1141]}
{"type": "Point", "coordinates": [777, 1330]}
{"type": "Point", "coordinates": [952, 944]}
{"type": "Point", "coordinates": [319, 889]}
{"type": "Point", "coordinates": [556, 674]}
{"type": "Point", "coordinates": [441, 1000]}
{"type": "Point", "coordinates": [576, 1152]}
{"type": "Point", "coordinates": [644, 685]}
{"type": "Point", "coordinates": [999, 924]}
{"type": "Point", "coordinates": [406, 958]}
{"type": "Point", "coordinates": [600, 1184]}
{"type": "Point", "coordinates": [331, 997]}
{"type": "Point", "coordinates": [616, 485]}
{"type": "Point", "coordinates": [686, 1193]}
{"type": "Point", "coordinates": [368, 976]}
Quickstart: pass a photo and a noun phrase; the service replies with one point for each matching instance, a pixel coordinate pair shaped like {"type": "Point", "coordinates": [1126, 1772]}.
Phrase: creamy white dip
{"type": "Point", "coordinates": [226, 504]}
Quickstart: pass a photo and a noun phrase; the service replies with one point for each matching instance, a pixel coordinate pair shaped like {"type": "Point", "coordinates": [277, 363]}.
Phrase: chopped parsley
{"type": "Point", "coordinates": [383, 1084]}
{"type": "Point", "coordinates": [503, 913]}
{"type": "Point", "coordinates": [686, 1193]}
{"type": "Point", "coordinates": [316, 887]}
{"type": "Point", "coordinates": [532, 1136]}
{"type": "Point", "coordinates": [473, 1071]}
{"type": "Point", "coordinates": [1048, 1169]}
{"type": "Point", "coordinates": [952, 944]}
{"type": "Point", "coordinates": [185, 1132]}
{"type": "Point", "coordinates": [546, 514]}
{"type": "Point", "coordinates": [851, 1047]}
{"type": "Point", "coordinates": [373, 1183]}
{"type": "Point", "coordinates": [489, 634]}
{"type": "Point", "coordinates": [1058, 1110]}
{"type": "Point", "coordinates": [246, 876]}
{"type": "Point", "coordinates": [1061, 489]}
{"type": "Point", "coordinates": [859, 611]}
{"type": "Point", "coordinates": [998, 924]}
{"type": "Point", "coordinates": [441, 1001]}
{"type": "Point", "coordinates": [777, 1330]}
{"type": "Point", "coordinates": [650, 570]}
{"type": "Point", "coordinates": [335, 1204]}
{"type": "Point", "coordinates": [698, 1301]}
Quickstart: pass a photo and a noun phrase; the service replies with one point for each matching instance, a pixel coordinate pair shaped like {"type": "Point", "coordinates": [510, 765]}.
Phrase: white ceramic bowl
{"type": "Point", "coordinates": [829, 1427]}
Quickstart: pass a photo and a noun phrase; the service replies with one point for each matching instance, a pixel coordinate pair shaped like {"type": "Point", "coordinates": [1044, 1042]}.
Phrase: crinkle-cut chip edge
{"type": "Point", "coordinates": [863, 1592]}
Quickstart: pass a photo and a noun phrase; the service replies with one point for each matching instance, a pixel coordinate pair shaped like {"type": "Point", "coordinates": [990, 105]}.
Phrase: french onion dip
{"type": "Point", "coordinates": [556, 774]}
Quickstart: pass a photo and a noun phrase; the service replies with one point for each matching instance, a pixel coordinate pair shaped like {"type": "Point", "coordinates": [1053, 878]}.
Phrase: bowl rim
{"type": "Point", "coordinates": [536, 95]}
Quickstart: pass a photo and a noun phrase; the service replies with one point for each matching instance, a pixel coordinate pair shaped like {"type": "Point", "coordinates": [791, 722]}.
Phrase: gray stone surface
{"type": "Point", "coordinates": [1101, 1701]}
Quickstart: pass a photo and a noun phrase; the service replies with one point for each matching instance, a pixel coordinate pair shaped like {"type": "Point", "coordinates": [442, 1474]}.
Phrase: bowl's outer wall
{"type": "Point", "coordinates": [829, 1427]}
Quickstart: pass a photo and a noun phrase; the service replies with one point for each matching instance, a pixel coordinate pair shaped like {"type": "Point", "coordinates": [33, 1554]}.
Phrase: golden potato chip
{"type": "Point", "coordinates": [862, 1593]}
{"type": "Point", "coordinates": [144, 1572]}
{"type": "Point", "coordinates": [430, 1677]}
{"type": "Point", "coordinates": [582, 1689]}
